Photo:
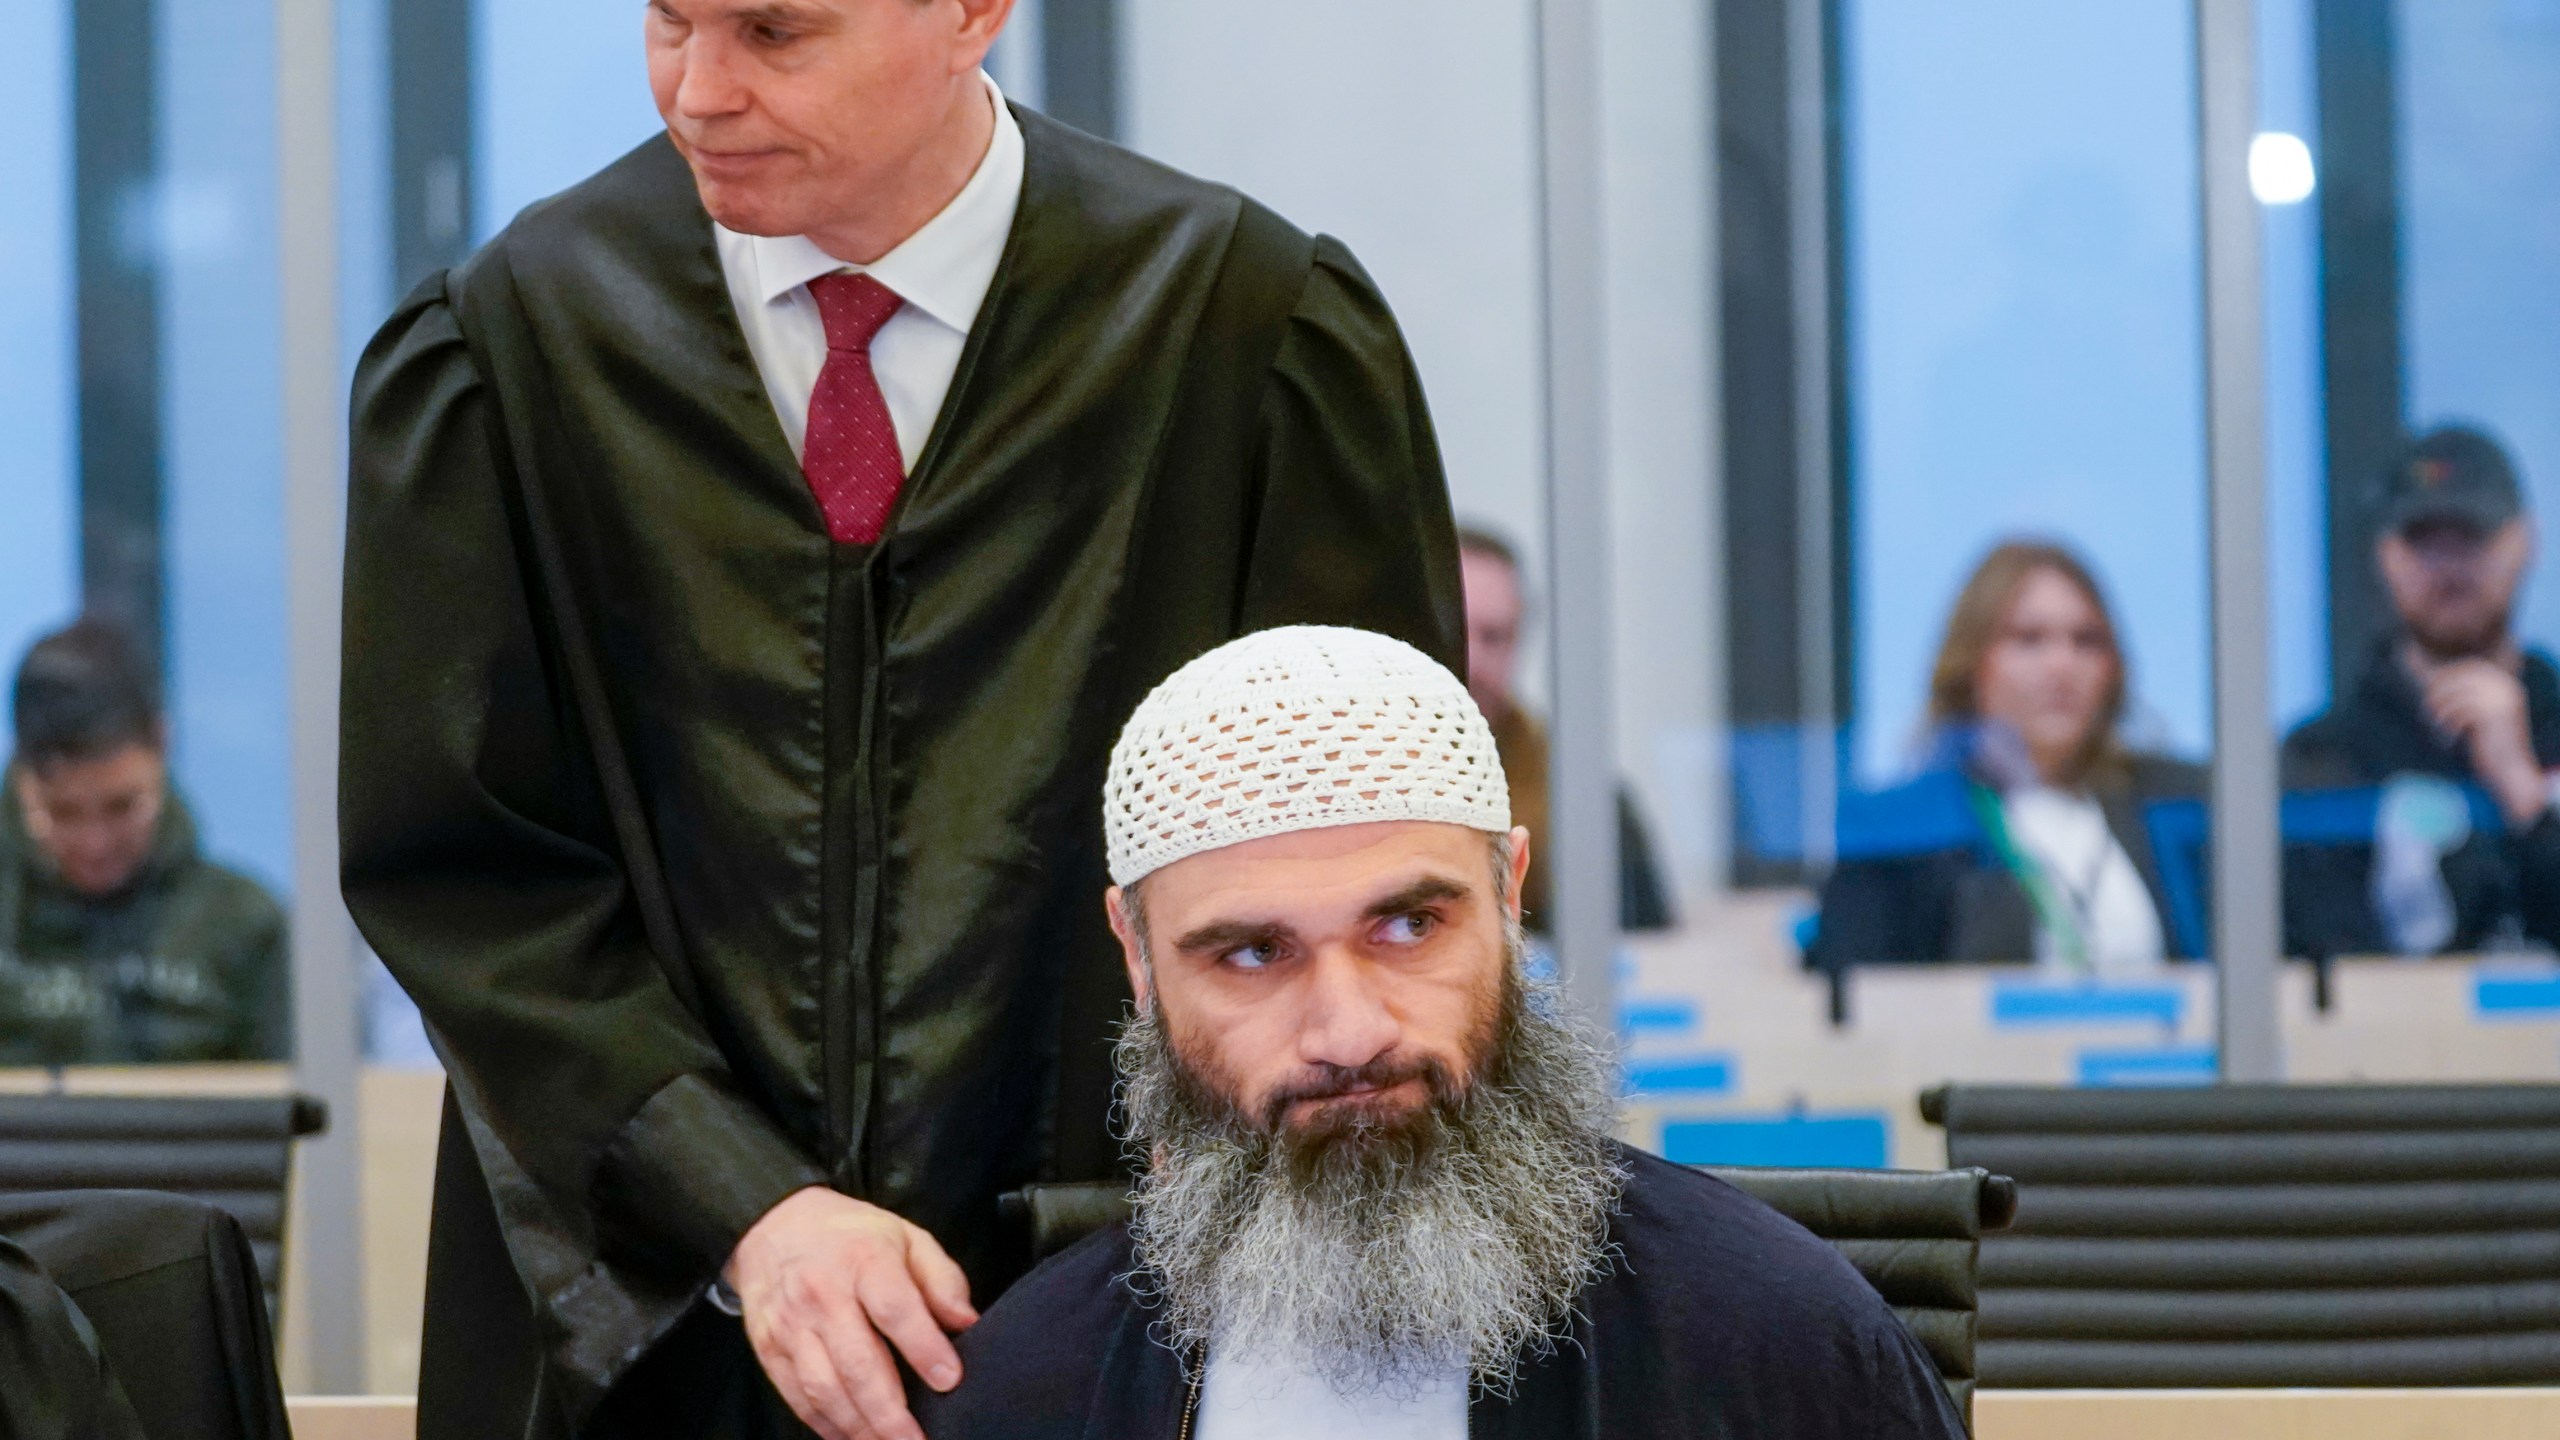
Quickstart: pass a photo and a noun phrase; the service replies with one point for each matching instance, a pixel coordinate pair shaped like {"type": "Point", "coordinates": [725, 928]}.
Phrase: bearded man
{"type": "Point", "coordinates": [2453, 700]}
{"type": "Point", "coordinates": [1380, 1197]}
{"type": "Point", "coordinates": [750, 552]}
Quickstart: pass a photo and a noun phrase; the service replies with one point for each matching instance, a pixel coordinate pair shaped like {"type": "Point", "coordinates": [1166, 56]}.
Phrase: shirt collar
{"type": "Point", "coordinates": [944, 269]}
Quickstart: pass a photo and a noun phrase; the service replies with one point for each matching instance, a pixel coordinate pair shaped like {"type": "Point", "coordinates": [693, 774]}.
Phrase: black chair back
{"type": "Point", "coordinates": [235, 1153]}
{"type": "Point", "coordinates": [171, 1288]}
{"type": "Point", "coordinates": [2268, 1235]}
{"type": "Point", "coordinates": [1913, 1234]}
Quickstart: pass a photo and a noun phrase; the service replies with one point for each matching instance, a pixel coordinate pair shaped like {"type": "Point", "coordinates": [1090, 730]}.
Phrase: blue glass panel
{"type": "Point", "coordinates": [2024, 1004]}
{"type": "Point", "coordinates": [1680, 1075]}
{"type": "Point", "coordinates": [2024, 343]}
{"type": "Point", "coordinates": [562, 90]}
{"type": "Point", "coordinates": [2479, 113]}
{"type": "Point", "coordinates": [1657, 1017]}
{"type": "Point", "coordinates": [39, 541]}
{"type": "Point", "coordinates": [1854, 1141]}
{"type": "Point", "coordinates": [2174, 1065]}
{"type": "Point", "coordinates": [2516, 997]}
{"type": "Point", "coordinates": [223, 405]}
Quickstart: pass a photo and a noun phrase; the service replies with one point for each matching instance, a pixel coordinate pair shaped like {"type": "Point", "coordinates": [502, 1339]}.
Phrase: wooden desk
{"type": "Point", "coordinates": [2266, 1414]}
{"type": "Point", "coordinates": [1998, 1415]}
{"type": "Point", "coordinates": [371, 1418]}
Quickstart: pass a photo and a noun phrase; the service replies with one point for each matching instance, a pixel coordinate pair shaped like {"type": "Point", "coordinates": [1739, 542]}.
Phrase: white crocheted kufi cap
{"type": "Point", "coordinates": [1300, 728]}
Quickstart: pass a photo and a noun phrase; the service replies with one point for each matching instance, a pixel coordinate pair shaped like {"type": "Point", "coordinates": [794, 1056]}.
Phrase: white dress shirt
{"type": "Point", "coordinates": [942, 271]}
{"type": "Point", "coordinates": [2065, 832]}
{"type": "Point", "coordinates": [1256, 1400]}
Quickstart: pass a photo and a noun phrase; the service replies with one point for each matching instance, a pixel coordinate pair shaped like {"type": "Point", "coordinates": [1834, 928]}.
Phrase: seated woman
{"type": "Point", "coordinates": [2048, 858]}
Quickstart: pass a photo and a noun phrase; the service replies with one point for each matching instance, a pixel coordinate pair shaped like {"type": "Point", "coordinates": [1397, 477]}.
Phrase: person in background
{"type": "Point", "coordinates": [2051, 860]}
{"type": "Point", "coordinates": [120, 943]}
{"type": "Point", "coordinates": [1497, 613]}
{"type": "Point", "coordinates": [2453, 701]}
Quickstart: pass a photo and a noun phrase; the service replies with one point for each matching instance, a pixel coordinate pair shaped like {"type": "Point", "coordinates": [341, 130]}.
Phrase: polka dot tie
{"type": "Point", "coordinates": [851, 455]}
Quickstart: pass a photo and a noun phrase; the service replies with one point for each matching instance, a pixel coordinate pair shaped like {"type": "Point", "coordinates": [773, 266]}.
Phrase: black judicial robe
{"type": "Point", "coordinates": [1720, 1319]}
{"type": "Point", "coordinates": [723, 860]}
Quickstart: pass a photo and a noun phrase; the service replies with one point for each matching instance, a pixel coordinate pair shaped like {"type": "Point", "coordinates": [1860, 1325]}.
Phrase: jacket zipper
{"type": "Point", "coordinates": [1191, 1401]}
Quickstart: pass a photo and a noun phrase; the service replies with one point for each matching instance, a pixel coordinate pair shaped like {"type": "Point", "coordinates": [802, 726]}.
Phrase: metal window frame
{"type": "Point", "coordinates": [122, 432]}
{"type": "Point", "coordinates": [329, 1214]}
{"type": "Point", "coordinates": [2248, 937]}
{"type": "Point", "coordinates": [1783, 449]}
{"type": "Point", "coordinates": [1801, 511]}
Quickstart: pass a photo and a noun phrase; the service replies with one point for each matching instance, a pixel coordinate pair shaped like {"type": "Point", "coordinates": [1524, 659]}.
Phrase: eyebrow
{"type": "Point", "coordinates": [1220, 936]}
{"type": "Point", "coordinates": [1431, 890]}
{"type": "Point", "coordinates": [782, 12]}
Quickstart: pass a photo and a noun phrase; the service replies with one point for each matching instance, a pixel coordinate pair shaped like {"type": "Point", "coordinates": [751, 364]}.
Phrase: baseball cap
{"type": "Point", "coordinates": [2453, 474]}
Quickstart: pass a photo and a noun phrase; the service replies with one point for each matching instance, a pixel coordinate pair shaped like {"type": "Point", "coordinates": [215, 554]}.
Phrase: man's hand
{"type": "Point", "coordinates": [2483, 703]}
{"type": "Point", "coordinates": [822, 1278]}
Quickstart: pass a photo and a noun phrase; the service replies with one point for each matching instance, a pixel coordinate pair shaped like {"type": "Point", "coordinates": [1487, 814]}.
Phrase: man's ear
{"type": "Point", "coordinates": [1116, 904]}
{"type": "Point", "coordinates": [1519, 867]}
{"type": "Point", "coordinates": [981, 21]}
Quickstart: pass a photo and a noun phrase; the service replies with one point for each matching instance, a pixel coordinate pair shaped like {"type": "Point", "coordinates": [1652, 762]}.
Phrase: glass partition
{"type": "Point", "coordinates": [147, 834]}
{"type": "Point", "coordinates": [1907, 493]}
{"type": "Point", "coordinates": [39, 548]}
{"type": "Point", "coordinates": [2423, 862]}
{"type": "Point", "coordinates": [1966, 582]}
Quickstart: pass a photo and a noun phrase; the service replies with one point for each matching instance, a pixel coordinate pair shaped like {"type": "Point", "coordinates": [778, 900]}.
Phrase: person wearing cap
{"type": "Point", "coordinates": [2453, 700]}
{"type": "Point", "coordinates": [1380, 1195]}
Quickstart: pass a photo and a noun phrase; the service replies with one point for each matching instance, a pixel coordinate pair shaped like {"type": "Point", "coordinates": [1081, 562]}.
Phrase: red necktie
{"type": "Point", "coordinates": [851, 454]}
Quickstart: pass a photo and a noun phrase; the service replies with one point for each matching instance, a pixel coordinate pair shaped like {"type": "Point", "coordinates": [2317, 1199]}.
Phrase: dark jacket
{"type": "Point", "coordinates": [1952, 901]}
{"type": "Point", "coordinates": [2503, 883]}
{"type": "Point", "coordinates": [186, 964]}
{"type": "Point", "coordinates": [722, 860]}
{"type": "Point", "coordinates": [1719, 1319]}
{"type": "Point", "coordinates": [58, 1385]}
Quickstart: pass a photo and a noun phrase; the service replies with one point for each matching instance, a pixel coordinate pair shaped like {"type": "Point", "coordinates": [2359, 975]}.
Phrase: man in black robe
{"type": "Point", "coordinates": [1381, 1197]}
{"type": "Point", "coordinates": [724, 712]}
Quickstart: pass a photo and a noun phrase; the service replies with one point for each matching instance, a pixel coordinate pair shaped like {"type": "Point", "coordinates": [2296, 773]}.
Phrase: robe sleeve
{"type": "Point", "coordinates": [1355, 526]}
{"type": "Point", "coordinates": [480, 857]}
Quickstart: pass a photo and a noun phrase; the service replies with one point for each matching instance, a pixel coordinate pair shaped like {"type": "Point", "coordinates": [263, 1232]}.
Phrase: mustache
{"type": "Point", "coordinates": [1341, 1082]}
{"type": "Point", "coordinates": [1379, 1245]}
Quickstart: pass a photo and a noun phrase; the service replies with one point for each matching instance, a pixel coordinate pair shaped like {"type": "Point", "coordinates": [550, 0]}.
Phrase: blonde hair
{"type": "Point", "coordinates": [1974, 626]}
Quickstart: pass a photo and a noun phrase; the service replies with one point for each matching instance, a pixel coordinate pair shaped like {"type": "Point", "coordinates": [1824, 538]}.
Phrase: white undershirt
{"type": "Point", "coordinates": [943, 272]}
{"type": "Point", "coordinates": [2094, 879]}
{"type": "Point", "coordinates": [1259, 1400]}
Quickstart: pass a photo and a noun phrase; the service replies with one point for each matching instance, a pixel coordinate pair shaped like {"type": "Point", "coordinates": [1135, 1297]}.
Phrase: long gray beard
{"type": "Point", "coordinates": [1386, 1256]}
